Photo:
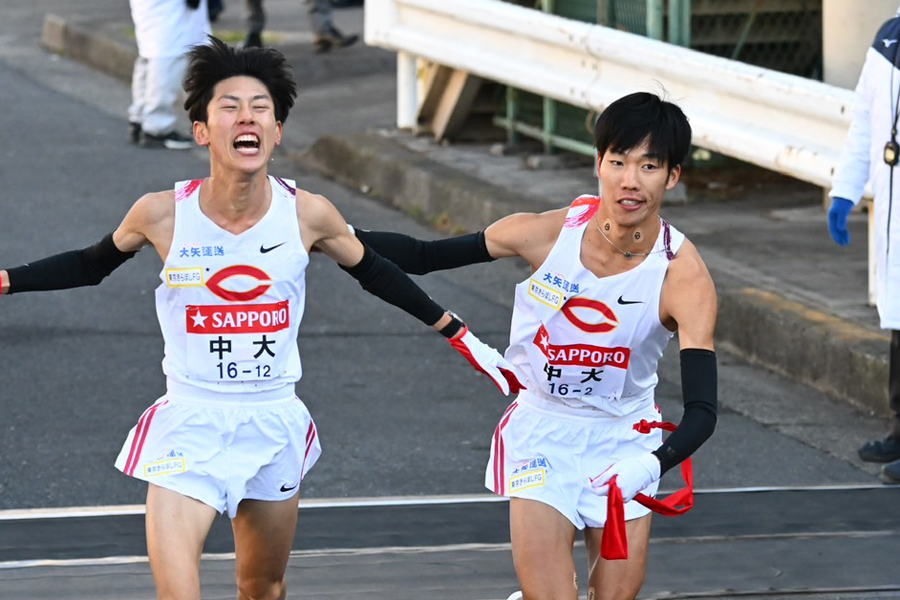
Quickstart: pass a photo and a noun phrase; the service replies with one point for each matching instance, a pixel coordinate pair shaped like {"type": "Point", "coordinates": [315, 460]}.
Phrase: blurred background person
{"type": "Point", "coordinates": [321, 21]}
{"type": "Point", "coordinates": [871, 154]}
{"type": "Point", "coordinates": [165, 30]}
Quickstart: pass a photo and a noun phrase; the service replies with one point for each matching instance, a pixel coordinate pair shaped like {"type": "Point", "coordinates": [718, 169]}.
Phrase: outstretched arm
{"type": "Point", "coordinates": [523, 234]}
{"type": "Point", "coordinates": [75, 268]}
{"type": "Point", "coordinates": [149, 218]}
{"type": "Point", "coordinates": [424, 256]}
{"type": "Point", "coordinates": [323, 228]}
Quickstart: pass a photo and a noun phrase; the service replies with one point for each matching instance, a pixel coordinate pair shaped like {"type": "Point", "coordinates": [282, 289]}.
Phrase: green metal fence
{"type": "Point", "coordinates": [784, 35]}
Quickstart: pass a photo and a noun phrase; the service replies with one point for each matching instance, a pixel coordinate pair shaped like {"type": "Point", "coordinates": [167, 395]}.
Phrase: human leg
{"type": "Point", "coordinates": [319, 16]}
{"type": "Point", "coordinates": [618, 579]}
{"type": "Point", "coordinates": [214, 9]}
{"type": "Point", "coordinates": [256, 22]}
{"type": "Point", "coordinates": [322, 24]}
{"type": "Point", "coordinates": [163, 89]}
{"type": "Point", "coordinates": [891, 471]}
{"type": "Point", "coordinates": [263, 535]}
{"type": "Point", "coordinates": [176, 527]}
{"type": "Point", "coordinates": [138, 95]}
{"type": "Point", "coordinates": [888, 449]}
{"type": "Point", "coordinates": [894, 385]}
{"type": "Point", "coordinates": [542, 540]}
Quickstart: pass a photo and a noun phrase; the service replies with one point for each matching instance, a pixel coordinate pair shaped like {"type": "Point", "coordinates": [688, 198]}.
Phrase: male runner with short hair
{"type": "Point", "coordinates": [230, 435]}
{"type": "Point", "coordinates": [611, 283]}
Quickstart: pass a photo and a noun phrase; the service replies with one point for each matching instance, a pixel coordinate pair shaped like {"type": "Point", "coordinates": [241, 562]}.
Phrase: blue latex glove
{"type": "Point", "coordinates": [837, 220]}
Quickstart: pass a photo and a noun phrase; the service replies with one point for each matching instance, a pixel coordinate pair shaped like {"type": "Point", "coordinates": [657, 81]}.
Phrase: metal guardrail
{"type": "Point", "coordinates": [777, 121]}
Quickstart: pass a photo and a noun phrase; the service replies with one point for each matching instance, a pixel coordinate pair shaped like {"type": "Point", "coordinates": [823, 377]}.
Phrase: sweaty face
{"type": "Point", "coordinates": [634, 183]}
{"type": "Point", "coordinates": [241, 130]}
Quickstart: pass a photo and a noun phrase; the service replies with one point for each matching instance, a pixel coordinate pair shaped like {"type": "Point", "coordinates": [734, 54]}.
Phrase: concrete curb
{"type": "Point", "coordinates": [412, 182]}
{"type": "Point", "coordinates": [843, 360]}
{"type": "Point", "coordinates": [79, 43]}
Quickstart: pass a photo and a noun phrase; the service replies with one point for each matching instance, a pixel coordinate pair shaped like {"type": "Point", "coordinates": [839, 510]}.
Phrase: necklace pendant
{"type": "Point", "coordinates": [628, 255]}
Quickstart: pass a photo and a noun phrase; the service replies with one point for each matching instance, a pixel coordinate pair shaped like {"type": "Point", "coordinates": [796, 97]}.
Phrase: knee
{"type": "Point", "coordinates": [261, 589]}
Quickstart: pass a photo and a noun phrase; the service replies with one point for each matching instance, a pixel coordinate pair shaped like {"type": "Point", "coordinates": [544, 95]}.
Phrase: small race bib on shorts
{"type": "Point", "coordinates": [530, 474]}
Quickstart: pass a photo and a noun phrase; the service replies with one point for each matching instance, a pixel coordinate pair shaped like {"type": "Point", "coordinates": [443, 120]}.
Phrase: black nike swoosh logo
{"type": "Point", "coordinates": [624, 302]}
{"type": "Point", "coordinates": [263, 249]}
{"type": "Point", "coordinates": [285, 488]}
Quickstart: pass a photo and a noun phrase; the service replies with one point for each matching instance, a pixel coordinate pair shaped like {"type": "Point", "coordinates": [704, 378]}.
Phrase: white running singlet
{"type": "Point", "coordinates": [587, 342]}
{"type": "Point", "coordinates": [229, 306]}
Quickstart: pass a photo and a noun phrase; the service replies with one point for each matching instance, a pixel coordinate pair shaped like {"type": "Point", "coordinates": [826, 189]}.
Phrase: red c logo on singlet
{"type": "Point", "coordinates": [246, 270]}
{"type": "Point", "coordinates": [609, 324]}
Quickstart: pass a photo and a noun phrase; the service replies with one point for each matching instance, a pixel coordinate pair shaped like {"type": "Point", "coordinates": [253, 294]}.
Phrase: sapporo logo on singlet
{"type": "Point", "coordinates": [583, 355]}
{"type": "Point", "coordinates": [241, 338]}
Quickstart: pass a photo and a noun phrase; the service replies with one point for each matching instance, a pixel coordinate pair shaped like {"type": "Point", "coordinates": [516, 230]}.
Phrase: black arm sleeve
{"type": "Point", "coordinates": [76, 268]}
{"type": "Point", "coordinates": [384, 279]}
{"type": "Point", "coordinates": [699, 388]}
{"type": "Point", "coordinates": [420, 256]}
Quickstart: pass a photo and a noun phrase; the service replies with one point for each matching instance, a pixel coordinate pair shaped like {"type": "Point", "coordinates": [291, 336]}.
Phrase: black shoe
{"type": "Point", "coordinates": [134, 132]}
{"type": "Point", "coordinates": [170, 141]}
{"type": "Point", "coordinates": [885, 450]}
{"type": "Point", "coordinates": [891, 472]}
{"type": "Point", "coordinates": [333, 38]}
{"type": "Point", "coordinates": [254, 40]}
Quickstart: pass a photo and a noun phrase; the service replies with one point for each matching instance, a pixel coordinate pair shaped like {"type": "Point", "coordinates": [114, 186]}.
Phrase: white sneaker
{"type": "Point", "coordinates": [516, 596]}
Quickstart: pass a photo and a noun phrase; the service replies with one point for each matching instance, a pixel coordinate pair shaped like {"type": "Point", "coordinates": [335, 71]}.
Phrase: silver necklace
{"type": "Point", "coordinates": [628, 255]}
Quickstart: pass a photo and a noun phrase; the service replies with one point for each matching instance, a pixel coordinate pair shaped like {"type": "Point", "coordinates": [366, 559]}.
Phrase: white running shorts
{"type": "Point", "coordinates": [549, 455]}
{"type": "Point", "coordinates": [223, 452]}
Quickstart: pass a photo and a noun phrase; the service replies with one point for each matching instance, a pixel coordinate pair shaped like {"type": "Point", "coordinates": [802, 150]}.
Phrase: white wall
{"type": "Point", "coordinates": [848, 28]}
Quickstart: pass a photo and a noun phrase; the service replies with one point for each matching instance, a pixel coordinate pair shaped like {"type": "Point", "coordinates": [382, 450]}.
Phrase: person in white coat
{"type": "Point", "coordinates": [872, 154]}
{"type": "Point", "coordinates": [165, 30]}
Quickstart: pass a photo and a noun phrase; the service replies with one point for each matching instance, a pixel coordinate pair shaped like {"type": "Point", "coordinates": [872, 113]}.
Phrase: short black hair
{"type": "Point", "coordinates": [215, 61]}
{"type": "Point", "coordinates": [631, 119]}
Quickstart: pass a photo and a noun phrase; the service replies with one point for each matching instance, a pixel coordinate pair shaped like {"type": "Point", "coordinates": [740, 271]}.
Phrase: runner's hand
{"type": "Point", "coordinates": [488, 361]}
{"type": "Point", "coordinates": [634, 475]}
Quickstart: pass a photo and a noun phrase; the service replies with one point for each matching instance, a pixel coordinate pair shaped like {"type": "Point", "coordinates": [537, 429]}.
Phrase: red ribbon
{"type": "Point", "coordinates": [614, 543]}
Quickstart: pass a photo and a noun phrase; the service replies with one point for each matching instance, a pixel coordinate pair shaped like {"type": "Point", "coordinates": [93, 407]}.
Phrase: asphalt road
{"type": "Point", "coordinates": [399, 413]}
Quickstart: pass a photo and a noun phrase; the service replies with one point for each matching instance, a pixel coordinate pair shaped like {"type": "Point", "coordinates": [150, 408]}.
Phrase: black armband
{"type": "Point", "coordinates": [384, 279]}
{"type": "Point", "coordinates": [420, 256]}
{"type": "Point", "coordinates": [76, 268]}
{"type": "Point", "coordinates": [699, 389]}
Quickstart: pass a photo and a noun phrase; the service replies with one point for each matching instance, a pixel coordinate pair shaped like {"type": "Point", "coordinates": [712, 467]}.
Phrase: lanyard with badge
{"type": "Point", "coordinates": [891, 148]}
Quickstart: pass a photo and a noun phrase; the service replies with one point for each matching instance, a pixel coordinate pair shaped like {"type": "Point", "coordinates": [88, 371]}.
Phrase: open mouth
{"type": "Point", "coordinates": [247, 143]}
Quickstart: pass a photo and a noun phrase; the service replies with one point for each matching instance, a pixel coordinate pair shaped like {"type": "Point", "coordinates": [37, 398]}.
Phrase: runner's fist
{"type": "Point", "coordinates": [488, 361]}
{"type": "Point", "coordinates": [634, 475]}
